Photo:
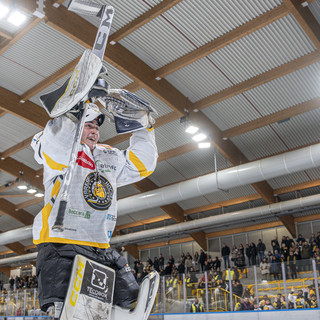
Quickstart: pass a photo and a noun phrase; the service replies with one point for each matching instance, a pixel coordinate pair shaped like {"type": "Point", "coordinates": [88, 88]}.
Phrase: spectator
{"type": "Point", "coordinates": [181, 268]}
{"type": "Point", "coordinates": [202, 259]}
{"type": "Point", "coordinates": [275, 246]}
{"type": "Point", "coordinates": [265, 269]}
{"type": "Point", "coordinates": [284, 250]}
{"type": "Point", "coordinates": [161, 261]}
{"type": "Point", "coordinates": [292, 267]}
{"type": "Point", "coordinates": [240, 262]}
{"type": "Point", "coordinates": [312, 238]}
{"type": "Point", "coordinates": [301, 238]}
{"type": "Point", "coordinates": [183, 257]}
{"type": "Point", "coordinates": [275, 268]}
{"type": "Point", "coordinates": [225, 252]}
{"type": "Point", "coordinates": [237, 288]}
{"type": "Point", "coordinates": [298, 300]}
{"type": "Point", "coordinates": [216, 263]}
{"type": "Point", "coordinates": [305, 254]}
{"type": "Point", "coordinates": [156, 265]}
{"type": "Point", "coordinates": [188, 264]}
{"type": "Point", "coordinates": [246, 305]}
{"type": "Point", "coordinates": [268, 305]}
{"type": "Point", "coordinates": [171, 260]}
{"type": "Point", "coordinates": [248, 254]}
{"type": "Point", "coordinates": [196, 261]}
{"type": "Point", "coordinates": [196, 307]}
{"type": "Point", "coordinates": [189, 285]}
{"type": "Point", "coordinates": [234, 254]}
{"type": "Point", "coordinates": [150, 262]}
{"type": "Point", "coordinates": [168, 269]}
{"type": "Point", "coordinates": [253, 253]}
{"type": "Point", "coordinates": [311, 300]}
{"type": "Point", "coordinates": [261, 247]}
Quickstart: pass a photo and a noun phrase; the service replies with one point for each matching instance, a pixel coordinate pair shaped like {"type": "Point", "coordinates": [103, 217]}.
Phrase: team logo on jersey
{"type": "Point", "coordinates": [97, 194]}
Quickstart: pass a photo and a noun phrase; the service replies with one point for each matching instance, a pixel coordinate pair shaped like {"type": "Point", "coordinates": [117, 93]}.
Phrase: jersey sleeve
{"type": "Point", "coordinates": [139, 160]}
{"type": "Point", "coordinates": [52, 146]}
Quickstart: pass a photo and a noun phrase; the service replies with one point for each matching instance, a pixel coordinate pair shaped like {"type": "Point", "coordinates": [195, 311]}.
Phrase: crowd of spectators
{"type": "Point", "coordinates": [25, 282]}
{"type": "Point", "coordinates": [296, 255]}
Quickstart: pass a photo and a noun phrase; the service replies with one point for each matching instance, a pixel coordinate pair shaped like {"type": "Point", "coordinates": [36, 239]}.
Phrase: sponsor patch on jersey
{"type": "Point", "coordinates": [97, 194]}
{"type": "Point", "coordinates": [84, 161]}
{"type": "Point", "coordinates": [103, 167]}
{"type": "Point", "coordinates": [79, 213]}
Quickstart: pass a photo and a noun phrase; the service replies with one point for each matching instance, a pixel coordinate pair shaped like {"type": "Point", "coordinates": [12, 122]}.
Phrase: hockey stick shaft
{"type": "Point", "coordinates": [58, 225]}
{"type": "Point", "coordinates": [99, 47]}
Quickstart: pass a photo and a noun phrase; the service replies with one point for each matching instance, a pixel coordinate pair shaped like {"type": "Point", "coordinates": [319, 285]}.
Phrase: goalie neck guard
{"type": "Point", "coordinates": [93, 113]}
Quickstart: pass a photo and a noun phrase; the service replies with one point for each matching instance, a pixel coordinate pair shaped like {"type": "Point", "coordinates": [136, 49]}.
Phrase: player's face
{"type": "Point", "coordinates": [90, 134]}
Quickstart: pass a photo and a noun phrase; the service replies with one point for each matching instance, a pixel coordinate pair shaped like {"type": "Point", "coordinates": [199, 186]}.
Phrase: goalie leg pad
{"type": "Point", "coordinates": [90, 292]}
{"type": "Point", "coordinates": [76, 88]}
{"type": "Point", "coordinates": [146, 297]}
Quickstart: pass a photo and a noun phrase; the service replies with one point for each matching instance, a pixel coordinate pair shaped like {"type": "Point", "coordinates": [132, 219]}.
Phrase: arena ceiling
{"type": "Point", "coordinates": [247, 72]}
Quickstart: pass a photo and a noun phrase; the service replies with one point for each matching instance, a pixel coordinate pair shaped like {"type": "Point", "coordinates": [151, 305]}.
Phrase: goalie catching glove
{"type": "Point", "coordinates": [129, 116]}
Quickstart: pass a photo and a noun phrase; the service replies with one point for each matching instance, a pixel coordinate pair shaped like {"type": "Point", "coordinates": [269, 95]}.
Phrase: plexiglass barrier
{"type": "Point", "coordinates": [269, 285]}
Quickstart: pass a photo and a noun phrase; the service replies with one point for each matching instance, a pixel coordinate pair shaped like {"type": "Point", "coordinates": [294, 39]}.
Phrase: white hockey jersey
{"type": "Point", "coordinates": [91, 212]}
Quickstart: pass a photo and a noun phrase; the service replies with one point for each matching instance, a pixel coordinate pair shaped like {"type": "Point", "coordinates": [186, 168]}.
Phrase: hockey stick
{"type": "Point", "coordinates": [106, 13]}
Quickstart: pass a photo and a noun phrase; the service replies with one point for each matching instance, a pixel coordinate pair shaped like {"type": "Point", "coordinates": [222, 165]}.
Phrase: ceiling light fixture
{"type": "Point", "coordinates": [192, 129]}
{"type": "Point", "coordinates": [3, 10]}
{"type": "Point", "coordinates": [199, 137]}
{"type": "Point", "coordinates": [31, 190]}
{"type": "Point", "coordinates": [16, 18]}
{"type": "Point", "coordinates": [39, 195]}
{"type": "Point", "coordinates": [204, 145]}
{"type": "Point", "coordinates": [22, 187]}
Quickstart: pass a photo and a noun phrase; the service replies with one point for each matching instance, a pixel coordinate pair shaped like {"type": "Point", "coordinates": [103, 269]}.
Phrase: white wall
{"type": "Point", "coordinates": [249, 315]}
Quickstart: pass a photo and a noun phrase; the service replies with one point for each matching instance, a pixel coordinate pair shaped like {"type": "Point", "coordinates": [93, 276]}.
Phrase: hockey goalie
{"type": "Point", "coordinates": [79, 275]}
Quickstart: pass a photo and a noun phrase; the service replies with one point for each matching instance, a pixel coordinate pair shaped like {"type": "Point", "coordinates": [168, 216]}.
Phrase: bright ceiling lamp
{"type": "Point", "coordinates": [16, 18]}
{"type": "Point", "coordinates": [39, 195]}
{"type": "Point", "coordinates": [32, 190]}
{"type": "Point", "coordinates": [204, 145]}
{"type": "Point", "coordinates": [22, 187]}
{"type": "Point", "coordinates": [3, 10]}
{"type": "Point", "coordinates": [199, 137]}
{"type": "Point", "coordinates": [191, 129]}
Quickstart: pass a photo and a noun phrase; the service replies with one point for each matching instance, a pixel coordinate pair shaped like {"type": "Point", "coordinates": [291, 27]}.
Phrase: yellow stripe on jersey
{"type": "Point", "coordinates": [139, 165]}
{"type": "Point", "coordinates": [53, 164]}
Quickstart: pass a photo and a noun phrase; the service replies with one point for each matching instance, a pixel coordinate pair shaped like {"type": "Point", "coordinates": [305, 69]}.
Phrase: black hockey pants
{"type": "Point", "coordinates": [54, 265]}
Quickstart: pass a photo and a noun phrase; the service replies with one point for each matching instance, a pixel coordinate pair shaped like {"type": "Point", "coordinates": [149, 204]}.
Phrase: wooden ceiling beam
{"type": "Point", "coordinates": [2, 113]}
{"type": "Point", "coordinates": [177, 151]}
{"type": "Point", "coordinates": [306, 20]}
{"type": "Point", "coordinates": [142, 222]}
{"type": "Point", "coordinates": [288, 222]}
{"type": "Point", "coordinates": [8, 185]}
{"type": "Point", "coordinates": [298, 187]}
{"type": "Point", "coordinates": [22, 216]}
{"type": "Point", "coordinates": [256, 81]}
{"type": "Point", "coordinates": [223, 204]}
{"type": "Point", "coordinates": [17, 247]}
{"type": "Point", "coordinates": [223, 41]}
{"type": "Point", "coordinates": [28, 111]}
{"type": "Point", "coordinates": [15, 168]}
{"type": "Point", "coordinates": [5, 34]}
{"type": "Point", "coordinates": [16, 148]}
{"type": "Point", "coordinates": [18, 195]}
{"type": "Point", "coordinates": [28, 203]}
{"type": "Point", "coordinates": [6, 271]}
{"type": "Point", "coordinates": [133, 250]}
{"type": "Point", "coordinates": [84, 33]}
{"type": "Point", "coordinates": [145, 18]}
{"type": "Point", "coordinates": [273, 118]}
{"type": "Point", "coordinates": [5, 45]}
{"type": "Point", "coordinates": [50, 80]}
